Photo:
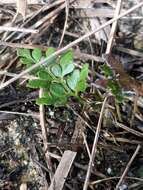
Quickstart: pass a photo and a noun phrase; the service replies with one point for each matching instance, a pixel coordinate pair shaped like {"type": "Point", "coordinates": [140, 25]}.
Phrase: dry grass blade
{"type": "Point", "coordinates": [111, 178]}
{"type": "Point", "coordinates": [5, 73]}
{"type": "Point", "coordinates": [134, 132]}
{"type": "Point", "coordinates": [127, 167]}
{"type": "Point", "coordinates": [21, 7]}
{"type": "Point", "coordinates": [66, 21]}
{"type": "Point", "coordinates": [20, 113]}
{"type": "Point", "coordinates": [130, 51]}
{"type": "Point", "coordinates": [13, 1]}
{"type": "Point", "coordinates": [94, 148]}
{"type": "Point", "coordinates": [15, 29]}
{"type": "Point", "coordinates": [69, 46]}
{"type": "Point", "coordinates": [123, 140]}
{"type": "Point", "coordinates": [44, 134]}
{"type": "Point", "coordinates": [113, 29]}
{"type": "Point", "coordinates": [62, 170]}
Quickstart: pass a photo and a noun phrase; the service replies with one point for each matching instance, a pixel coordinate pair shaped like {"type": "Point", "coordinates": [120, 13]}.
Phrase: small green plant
{"type": "Point", "coordinates": [59, 79]}
{"type": "Point", "coordinates": [113, 83]}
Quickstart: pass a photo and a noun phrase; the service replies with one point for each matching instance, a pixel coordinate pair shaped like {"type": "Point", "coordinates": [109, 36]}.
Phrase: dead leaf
{"type": "Point", "coordinates": [95, 22]}
{"type": "Point", "coordinates": [125, 80]}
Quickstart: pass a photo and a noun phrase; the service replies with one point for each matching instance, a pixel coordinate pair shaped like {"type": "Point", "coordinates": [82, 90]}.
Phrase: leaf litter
{"type": "Point", "coordinates": [23, 160]}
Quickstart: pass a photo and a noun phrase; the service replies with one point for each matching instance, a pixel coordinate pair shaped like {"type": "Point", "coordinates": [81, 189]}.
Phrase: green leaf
{"type": "Point", "coordinates": [114, 87]}
{"type": "Point", "coordinates": [54, 100]}
{"type": "Point", "coordinates": [46, 93]}
{"type": "Point", "coordinates": [67, 68]}
{"type": "Point", "coordinates": [119, 98]}
{"type": "Point", "coordinates": [24, 53]}
{"type": "Point", "coordinates": [57, 87]}
{"type": "Point", "coordinates": [37, 54]}
{"type": "Point", "coordinates": [57, 90]}
{"type": "Point", "coordinates": [73, 79]}
{"type": "Point", "coordinates": [26, 61]}
{"type": "Point", "coordinates": [44, 101]}
{"type": "Point", "coordinates": [84, 72]}
{"type": "Point", "coordinates": [44, 75]}
{"type": "Point", "coordinates": [37, 83]}
{"type": "Point", "coordinates": [106, 70]}
{"type": "Point", "coordinates": [60, 101]}
{"type": "Point", "coordinates": [66, 62]}
{"type": "Point", "coordinates": [51, 100]}
{"type": "Point", "coordinates": [116, 90]}
{"type": "Point", "coordinates": [50, 51]}
{"type": "Point", "coordinates": [35, 71]}
{"type": "Point", "coordinates": [81, 86]}
{"type": "Point", "coordinates": [56, 70]}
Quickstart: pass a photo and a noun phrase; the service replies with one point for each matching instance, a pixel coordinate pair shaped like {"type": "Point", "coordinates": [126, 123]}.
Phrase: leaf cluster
{"type": "Point", "coordinates": [59, 79]}
{"type": "Point", "coordinates": [112, 83]}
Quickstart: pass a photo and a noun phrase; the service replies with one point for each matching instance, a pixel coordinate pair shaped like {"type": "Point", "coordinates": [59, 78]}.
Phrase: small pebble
{"type": "Point", "coordinates": [109, 170]}
{"type": "Point", "coordinates": [123, 187]}
{"type": "Point", "coordinates": [51, 113]}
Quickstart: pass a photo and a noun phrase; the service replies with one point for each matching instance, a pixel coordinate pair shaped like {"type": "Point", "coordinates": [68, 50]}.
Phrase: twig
{"type": "Point", "coordinates": [111, 178]}
{"type": "Point", "coordinates": [15, 29]}
{"type": "Point", "coordinates": [114, 27]}
{"type": "Point", "coordinates": [127, 167]}
{"type": "Point", "coordinates": [44, 134]}
{"type": "Point", "coordinates": [18, 45]}
{"type": "Point", "coordinates": [52, 155]}
{"type": "Point", "coordinates": [44, 62]}
{"type": "Point", "coordinates": [94, 148]}
{"type": "Point", "coordinates": [41, 165]}
{"type": "Point", "coordinates": [6, 73]}
{"type": "Point", "coordinates": [86, 144]}
{"type": "Point", "coordinates": [21, 113]}
{"type": "Point", "coordinates": [66, 21]}
{"type": "Point", "coordinates": [129, 51]}
{"type": "Point", "coordinates": [129, 129]}
{"type": "Point", "coordinates": [123, 140]}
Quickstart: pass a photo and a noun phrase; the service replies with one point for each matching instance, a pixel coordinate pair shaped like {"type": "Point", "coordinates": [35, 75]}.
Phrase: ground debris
{"type": "Point", "coordinates": [66, 143]}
